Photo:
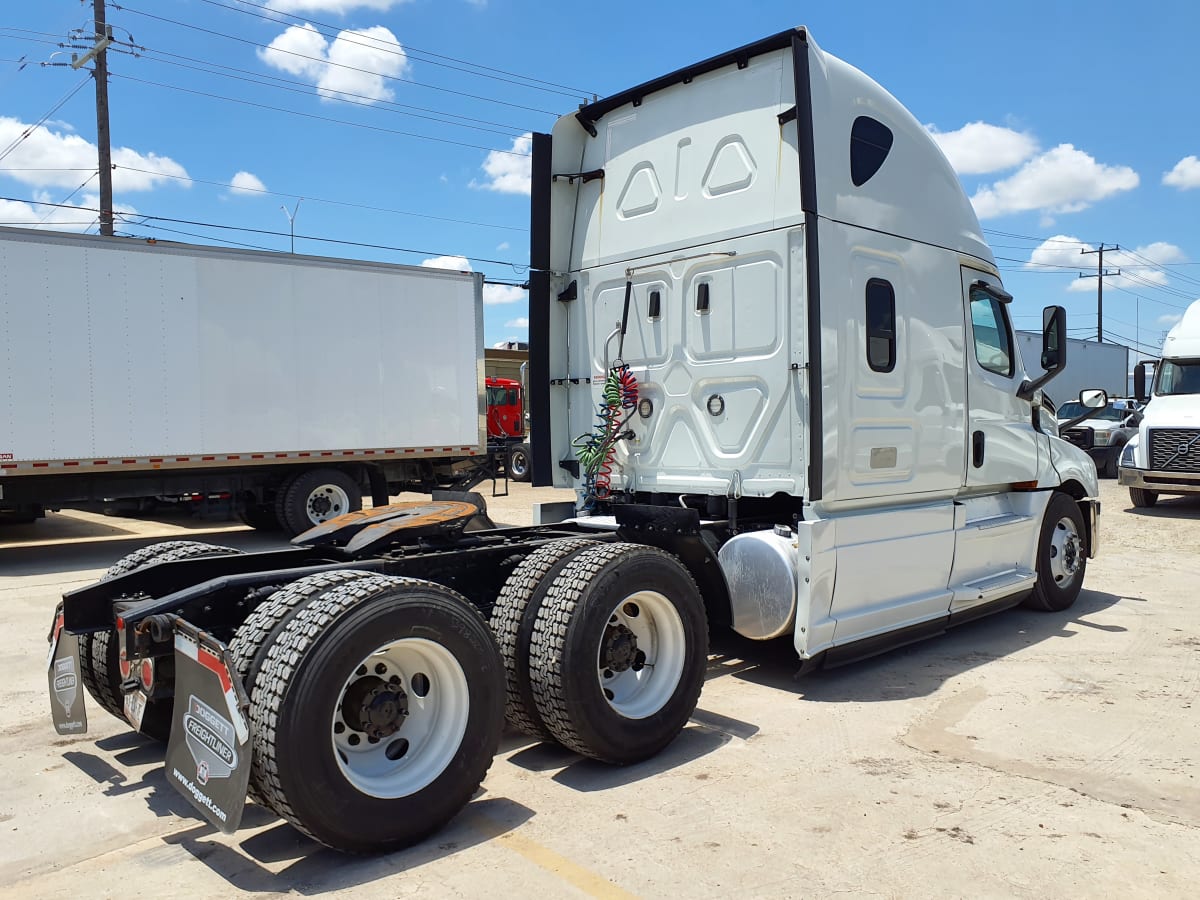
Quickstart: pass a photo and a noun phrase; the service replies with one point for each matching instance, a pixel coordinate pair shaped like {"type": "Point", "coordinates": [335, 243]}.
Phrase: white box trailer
{"type": "Point", "coordinates": [295, 383]}
{"type": "Point", "coordinates": [1092, 365]}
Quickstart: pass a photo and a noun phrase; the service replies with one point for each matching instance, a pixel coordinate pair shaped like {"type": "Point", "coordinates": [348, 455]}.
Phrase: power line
{"type": "Point", "coordinates": [308, 89]}
{"type": "Point", "coordinates": [296, 112]}
{"type": "Point", "coordinates": [311, 199]}
{"type": "Point", "coordinates": [147, 218]}
{"type": "Point", "coordinates": [34, 127]}
{"type": "Point", "coordinates": [327, 62]}
{"type": "Point", "coordinates": [267, 12]}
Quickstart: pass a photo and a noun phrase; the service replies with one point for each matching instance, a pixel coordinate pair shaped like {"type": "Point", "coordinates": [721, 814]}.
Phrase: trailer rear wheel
{"type": "Point", "coordinates": [377, 713]}
{"type": "Point", "coordinates": [316, 496]}
{"type": "Point", "coordinates": [1062, 556]}
{"type": "Point", "coordinates": [513, 618]}
{"type": "Point", "coordinates": [100, 663]}
{"type": "Point", "coordinates": [1142, 498]}
{"type": "Point", "coordinates": [259, 516]}
{"type": "Point", "coordinates": [518, 463]}
{"type": "Point", "coordinates": [618, 652]}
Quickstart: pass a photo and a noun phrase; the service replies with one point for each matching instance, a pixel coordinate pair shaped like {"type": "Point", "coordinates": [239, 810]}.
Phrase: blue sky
{"type": "Point", "coordinates": [1069, 124]}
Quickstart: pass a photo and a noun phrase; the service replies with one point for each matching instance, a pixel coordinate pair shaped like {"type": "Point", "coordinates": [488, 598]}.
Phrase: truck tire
{"type": "Point", "coordinates": [1142, 498]}
{"type": "Point", "coordinates": [618, 652]}
{"type": "Point", "coordinates": [100, 663]}
{"type": "Point", "coordinates": [512, 622]}
{"type": "Point", "coordinates": [259, 516]}
{"type": "Point", "coordinates": [315, 496]}
{"type": "Point", "coordinates": [1062, 556]}
{"type": "Point", "coordinates": [254, 637]}
{"type": "Point", "coordinates": [359, 763]}
{"type": "Point", "coordinates": [518, 463]}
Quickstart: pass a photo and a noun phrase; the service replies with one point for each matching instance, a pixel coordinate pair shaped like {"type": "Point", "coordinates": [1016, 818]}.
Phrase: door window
{"type": "Point", "coordinates": [993, 335]}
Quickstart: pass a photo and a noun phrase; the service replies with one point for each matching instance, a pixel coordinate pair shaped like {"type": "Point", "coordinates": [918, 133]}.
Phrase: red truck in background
{"type": "Point", "coordinates": [506, 433]}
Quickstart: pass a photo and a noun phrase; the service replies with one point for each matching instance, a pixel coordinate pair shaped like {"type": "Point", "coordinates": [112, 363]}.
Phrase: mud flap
{"type": "Point", "coordinates": [65, 678]}
{"type": "Point", "coordinates": [208, 756]}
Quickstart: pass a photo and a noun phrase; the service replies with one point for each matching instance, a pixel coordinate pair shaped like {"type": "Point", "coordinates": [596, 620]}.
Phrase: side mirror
{"type": "Point", "coordinates": [1054, 350]}
{"type": "Point", "coordinates": [1092, 400]}
{"type": "Point", "coordinates": [1054, 333]}
{"type": "Point", "coordinates": [1139, 381]}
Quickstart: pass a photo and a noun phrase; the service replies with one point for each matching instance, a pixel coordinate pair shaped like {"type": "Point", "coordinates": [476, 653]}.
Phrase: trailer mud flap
{"type": "Point", "coordinates": [65, 678]}
{"type": "Point", "coordinates": [208, 756]}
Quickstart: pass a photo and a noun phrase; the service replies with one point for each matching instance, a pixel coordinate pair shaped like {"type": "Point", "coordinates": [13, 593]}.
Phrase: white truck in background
{"type": "Point", "coordinates": [770, 351]}
{"type": "Point", "coordinates": [296, 384]}
{"type": "Point", "coordinates": [1164, 456]}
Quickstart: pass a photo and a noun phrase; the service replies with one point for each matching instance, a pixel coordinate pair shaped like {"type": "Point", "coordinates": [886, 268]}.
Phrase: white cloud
{"type": "Point", "coordinates": [46, 149]}
{"type": "Point", "coordinates": [454, 263]}
{"type": "Point", "coordinates": [246, 183]}
{"type": "Point", "coordinates": [499, 294]}
{"type": "Point", "coordinates": [1185, 175]}
{"type": "Point", "coordinates": [339, 7]}
{"type": "Point", "coordinates": [978, 148]}
{"type": "Point", "coordinates": [357, 61]}
{"type": "Point", "coordinates": [509, 173]}
{"type": "Point", "coordinates": [503, 245]}
{"type": "Point", "coordinates": [1170, 319]}
{"type": "Point", "coordinates": [1140, 268]}
{"type": "Point", "coordinates": [517, 323]}
{"type": "Point", "coordinates": [1062, 180]}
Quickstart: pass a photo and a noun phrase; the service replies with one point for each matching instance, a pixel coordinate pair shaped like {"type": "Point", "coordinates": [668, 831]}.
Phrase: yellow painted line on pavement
{"type": "Point", "coordinates": [591, 883]}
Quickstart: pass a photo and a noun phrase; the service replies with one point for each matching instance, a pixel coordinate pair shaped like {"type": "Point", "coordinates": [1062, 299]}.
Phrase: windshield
{"type": "Point", "coordinates": [1177, 377]}
{"type": "Point", "coordinates": [1109, 414]}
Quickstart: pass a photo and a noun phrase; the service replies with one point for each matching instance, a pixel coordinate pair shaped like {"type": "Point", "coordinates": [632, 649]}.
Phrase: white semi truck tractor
{"type": "Point", "coordinates": [1164, 456]}
{"type": "Point", "coordinates": [773, 357]}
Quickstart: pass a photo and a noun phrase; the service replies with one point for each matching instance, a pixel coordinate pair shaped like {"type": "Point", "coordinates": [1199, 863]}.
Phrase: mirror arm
{"type": "Point", "coordinates": [1029, 388]}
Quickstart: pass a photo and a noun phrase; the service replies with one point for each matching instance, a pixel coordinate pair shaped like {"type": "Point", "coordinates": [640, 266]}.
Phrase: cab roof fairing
{"type": "Point", "coordinates": [916, 193]}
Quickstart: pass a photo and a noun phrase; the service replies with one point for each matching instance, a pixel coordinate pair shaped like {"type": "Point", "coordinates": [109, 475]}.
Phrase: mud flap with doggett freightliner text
{"type": "Point", "coordinates": [208, 756]}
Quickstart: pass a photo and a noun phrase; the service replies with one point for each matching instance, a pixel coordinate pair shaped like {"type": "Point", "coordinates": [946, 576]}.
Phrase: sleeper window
{"type": "Point", "coordinates": [881, 325]}
{"type": "Point", "coordinates": [993, 335]}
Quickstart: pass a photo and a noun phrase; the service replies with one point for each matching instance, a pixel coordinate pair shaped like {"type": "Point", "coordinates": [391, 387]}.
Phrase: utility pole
{"type": "Point", "coordinates": [1100, 276]}
{"type": "Point", "coordinates": [103, 138]}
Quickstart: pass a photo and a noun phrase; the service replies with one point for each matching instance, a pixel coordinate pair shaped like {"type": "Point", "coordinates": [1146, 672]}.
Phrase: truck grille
{"type": "Point", "coordinates": [1168, 453]}
{"type": "Point", "coordinates": [1080, 437]}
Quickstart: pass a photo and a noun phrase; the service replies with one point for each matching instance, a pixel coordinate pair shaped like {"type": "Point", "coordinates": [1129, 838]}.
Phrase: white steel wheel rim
{"type": "Point", "coordinates": [432, 731]}
{"type": "Point", "coordinates": [326, 502]}
{"type": "Point", "coordinates": [640, 691]}
{"type": "Point", "coordinates": [1066, 552]}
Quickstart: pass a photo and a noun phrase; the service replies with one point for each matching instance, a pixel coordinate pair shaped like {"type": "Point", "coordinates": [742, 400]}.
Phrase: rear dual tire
{"type": "Point", "coordinates": [376, 712]}
{"type": "Point", "coordinates": [618, 652]}
{"type": "Point", "coordinates": [99, 653]}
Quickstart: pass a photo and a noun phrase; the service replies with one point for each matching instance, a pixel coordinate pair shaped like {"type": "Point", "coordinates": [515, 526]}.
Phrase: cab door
{"type": "Point", "coordinates": [1001, 441]}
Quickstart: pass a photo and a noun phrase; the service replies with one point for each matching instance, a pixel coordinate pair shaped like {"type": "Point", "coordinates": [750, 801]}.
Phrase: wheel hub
{"type": "Point", "coordinates": [375, 707]}
{"type": "Point", "coordinates": [320, 504]}
{"type": "Point", "coordinates": [621, 651]}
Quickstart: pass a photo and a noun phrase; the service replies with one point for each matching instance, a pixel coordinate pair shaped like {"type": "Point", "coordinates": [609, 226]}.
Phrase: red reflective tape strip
{"type": "Point", "coordinates": [152, 459]}
{"type": "Point", "coordinates": [99, 462]}
{"type": "Point", "coordinates": [305, 453]}
{"type": "Point", "coordinates": [347, 453]}
{"type": "Point", "coordinates": [207, 458]}
{"type": "Point", "coordinates": [183, 459]}
{"type": "Point", "coordinates": [281, 456]}
{"type": "Point", "coordinates": [8, 466]}
{"type": "Point", "coordinates": [233, 457]}
{"type": "Point", "coordinates": [369, 452]}
{"type": "Point", "coordinates": [127, 462]}
{"type": "Point", "coordinates": [70, 462]}
{"type": "Point", "coordinates": [257, 456]}
{"type": "Point", "coordinates": [213, 663]}
{"type": "Point", "coordinates": [41, 465]}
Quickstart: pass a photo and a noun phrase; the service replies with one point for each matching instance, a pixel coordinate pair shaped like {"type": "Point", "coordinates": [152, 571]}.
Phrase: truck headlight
{"type": "Point", "coordinates": [1126, 460]}
{"type": "Point", "coordinates": [1101, 438]}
